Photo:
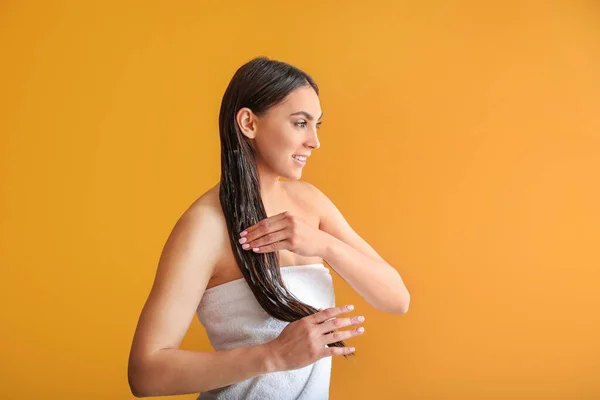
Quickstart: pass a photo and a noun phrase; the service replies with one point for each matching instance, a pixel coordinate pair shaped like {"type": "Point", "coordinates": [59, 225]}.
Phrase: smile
{"type": "Point", "coordinates": [300, 160]}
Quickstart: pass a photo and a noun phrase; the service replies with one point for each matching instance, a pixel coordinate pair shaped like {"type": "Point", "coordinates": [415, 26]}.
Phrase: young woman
{"type": "Point", "coordinates": [248, 258]}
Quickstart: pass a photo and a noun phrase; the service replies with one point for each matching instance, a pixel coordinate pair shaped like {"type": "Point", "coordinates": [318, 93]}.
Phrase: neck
{"type": "Point", "coordinates": [270, 187]}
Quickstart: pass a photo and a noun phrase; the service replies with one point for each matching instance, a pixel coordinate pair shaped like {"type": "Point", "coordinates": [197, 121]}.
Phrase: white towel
{"type": "Point", "coordinates": [233, 318]}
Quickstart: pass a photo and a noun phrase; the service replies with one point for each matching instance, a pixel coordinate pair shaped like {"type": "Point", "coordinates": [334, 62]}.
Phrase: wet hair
{"type": "Point", "coordinates": [258, 85]}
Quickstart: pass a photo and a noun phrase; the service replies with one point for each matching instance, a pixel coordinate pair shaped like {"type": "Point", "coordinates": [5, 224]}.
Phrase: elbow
{"type": "Point", "coordinates": [140, 390]}
{"type": "Point", "coordinates": [404, 309]}
{"type": "Point", "coordinates": [136, 393]}
{"type": "Point", "coordinates": [400, 296]}
{"type": "Point", "coordinates": [135, 386]}
{"type": "Point", "coordinates": [402, 304]}
{"type": "Point", "coordinates": [137, 381]}
{"type": "Point", "coordinates": [393, 303]}
{"type": "Point", "coordinates": [136, 390]}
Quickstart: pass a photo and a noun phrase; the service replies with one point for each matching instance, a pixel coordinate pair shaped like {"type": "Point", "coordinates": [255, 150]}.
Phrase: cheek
{"type": "Point", "coordinates": [277, 144]}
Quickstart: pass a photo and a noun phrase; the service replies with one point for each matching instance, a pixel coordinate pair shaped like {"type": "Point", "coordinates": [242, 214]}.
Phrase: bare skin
{"type": "Point", "coordinates": [198, 256]}
{"type": "Point", "coordinates": [194, 259]}
{"type": "Point", "coordinates": [293, 199]}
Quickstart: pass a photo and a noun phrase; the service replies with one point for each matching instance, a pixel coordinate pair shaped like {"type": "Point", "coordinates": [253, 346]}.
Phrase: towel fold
{"type": "Point", "coordinates": [232, 317]}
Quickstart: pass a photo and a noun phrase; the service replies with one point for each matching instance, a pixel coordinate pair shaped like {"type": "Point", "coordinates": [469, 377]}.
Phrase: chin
{"type": "Point", "coordinates": [291, 175]}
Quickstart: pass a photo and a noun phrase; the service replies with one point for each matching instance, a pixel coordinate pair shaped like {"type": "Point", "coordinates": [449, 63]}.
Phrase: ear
{"type": "Point", "coordinates": [247, 122]}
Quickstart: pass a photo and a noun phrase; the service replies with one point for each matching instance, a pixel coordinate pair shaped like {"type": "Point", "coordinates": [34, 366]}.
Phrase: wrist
{"type": "Point", "coordinates": [270, 359]}
{"type": "Point", "coordinates": [327, 246]}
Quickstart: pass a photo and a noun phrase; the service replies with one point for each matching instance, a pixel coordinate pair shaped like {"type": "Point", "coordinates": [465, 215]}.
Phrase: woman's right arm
{"type": "Point", "coordinates": [157, 367]}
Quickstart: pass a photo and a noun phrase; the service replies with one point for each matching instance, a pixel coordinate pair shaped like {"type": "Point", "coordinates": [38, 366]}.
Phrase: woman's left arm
{"type": "Point", "coordinates": [357, 262]}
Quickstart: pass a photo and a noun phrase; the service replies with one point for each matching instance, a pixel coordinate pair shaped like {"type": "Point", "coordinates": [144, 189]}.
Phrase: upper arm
{"type": "Point", "coordinates": [186, 265]}
{"type": "Point", "coordinates": [333, 222]}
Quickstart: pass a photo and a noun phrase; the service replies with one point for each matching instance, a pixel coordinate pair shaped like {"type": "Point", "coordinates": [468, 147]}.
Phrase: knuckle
{"type": "Point", "coordinates": [337, 323]}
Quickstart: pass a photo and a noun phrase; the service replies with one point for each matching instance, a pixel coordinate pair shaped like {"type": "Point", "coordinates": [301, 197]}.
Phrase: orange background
{"type": "Point", "coordinates": [461, 140]}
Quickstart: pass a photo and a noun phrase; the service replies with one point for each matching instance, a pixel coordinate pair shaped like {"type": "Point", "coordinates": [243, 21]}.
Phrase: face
{"type": "Point", "coordinates": [285, 133]}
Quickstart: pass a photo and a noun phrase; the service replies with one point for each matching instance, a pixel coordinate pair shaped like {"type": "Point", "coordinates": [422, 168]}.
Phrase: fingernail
{"type": "Point", "coordinates": [256, 249]}
{"type": "Point", "coordinates": [360, 330]}
{"type": "Point", "coordinates": [360, 319]}
{"type": "Point", "coordinates": [243, 240]}
{"type": "Point", "coordinates": [244, 233]}
{"type": "Point", "coordinates": [350, 307]}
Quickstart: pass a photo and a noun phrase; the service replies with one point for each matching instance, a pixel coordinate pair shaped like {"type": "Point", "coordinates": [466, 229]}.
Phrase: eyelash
{"type": "Point", "coordinates": [304, 122]}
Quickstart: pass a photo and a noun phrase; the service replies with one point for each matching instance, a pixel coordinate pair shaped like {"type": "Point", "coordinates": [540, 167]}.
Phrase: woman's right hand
{"type": "Point", "coordinates": [304, 341]}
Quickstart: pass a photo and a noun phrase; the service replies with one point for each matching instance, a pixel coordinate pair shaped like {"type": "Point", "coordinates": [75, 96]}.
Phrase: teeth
{"type": "Point", "coordinates": [300, 158]}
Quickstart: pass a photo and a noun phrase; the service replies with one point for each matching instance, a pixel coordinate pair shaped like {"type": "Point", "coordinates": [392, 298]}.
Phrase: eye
{"type": "Point", "coordinates": [301, 123]}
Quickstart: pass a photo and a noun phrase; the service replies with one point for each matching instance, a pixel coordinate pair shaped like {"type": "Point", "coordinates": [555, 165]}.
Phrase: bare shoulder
{"type": "Point", "coordinates": [206, 211]}
{"type": "Point", "coordinates": [208, 206]}
{"type": "Point", "coordinates": [303, 190]}
{"type": "Point", "coordinates": [207, 202]}
{"type": "Point", "coordinates": [308, 195]}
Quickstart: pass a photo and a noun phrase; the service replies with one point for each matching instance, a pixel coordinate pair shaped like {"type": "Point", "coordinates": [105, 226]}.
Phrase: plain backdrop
{"type": "Point", "coordinates": [460, 139]}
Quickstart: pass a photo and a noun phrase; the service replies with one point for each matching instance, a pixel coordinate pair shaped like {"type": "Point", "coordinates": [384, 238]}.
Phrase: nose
{"type": "Point", "coordinates": [313, 141]}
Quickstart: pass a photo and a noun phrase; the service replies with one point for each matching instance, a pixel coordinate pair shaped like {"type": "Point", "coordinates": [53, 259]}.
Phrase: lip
{"type": "Point", "coordinates": [300, 163]}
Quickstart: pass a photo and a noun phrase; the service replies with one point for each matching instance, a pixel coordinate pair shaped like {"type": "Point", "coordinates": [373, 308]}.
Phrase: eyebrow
{"type": "Point", "coordinates": [307, 115]}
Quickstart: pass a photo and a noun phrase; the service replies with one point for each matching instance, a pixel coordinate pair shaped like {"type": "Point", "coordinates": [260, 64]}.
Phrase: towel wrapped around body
{"type": "Point", "coordinates": [232, 317]}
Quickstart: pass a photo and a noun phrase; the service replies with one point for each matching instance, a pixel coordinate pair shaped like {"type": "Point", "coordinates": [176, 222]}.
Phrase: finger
{"type": "Point", "coordinates": [338, 323]}
{"type": "Point", "coordinates": [269, 238]}
{"type": "Point", "coordinates": [337, 336]}
{"type": "Point", "coordinates": [328, 313]}
{"type": "Point", "coordinates": [264, 229]}
{"type": "Point", "coordinates": [337, 351]}
{"type": "Point", "coordinates": [264, 221]}
{"type": "Point", "coordinates": [281, 245]}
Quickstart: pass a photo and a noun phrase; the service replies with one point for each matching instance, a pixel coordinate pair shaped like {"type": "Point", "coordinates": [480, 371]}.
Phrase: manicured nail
{"type": "Point", "coordinates": [245, 246]}
{"type": "Point", "coordinates": [243, 240]}
{"type": "Point", "coordinates": [350, 307]}
{"type": "Point", "coordinates": [360, 319]}
{"type": "Point", "coordinates": [256, 249]}
{"type": "Point", "coordinates": [244, 233]}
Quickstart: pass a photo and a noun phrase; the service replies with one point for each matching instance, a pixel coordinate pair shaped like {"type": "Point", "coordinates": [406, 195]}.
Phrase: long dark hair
{"type": "Point", "coordinates": [258, 85]}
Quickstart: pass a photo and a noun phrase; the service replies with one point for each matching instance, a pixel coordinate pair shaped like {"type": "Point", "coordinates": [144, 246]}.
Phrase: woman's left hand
{"type": "Point", "coordinates": [284, 231]}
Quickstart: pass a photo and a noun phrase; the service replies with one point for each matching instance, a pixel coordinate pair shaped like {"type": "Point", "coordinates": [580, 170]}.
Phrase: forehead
{"type": "Point", "coordinates": [302, 99]}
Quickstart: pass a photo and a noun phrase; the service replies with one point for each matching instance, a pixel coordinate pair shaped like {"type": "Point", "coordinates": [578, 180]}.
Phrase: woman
{"type": "Point", "coordinates": [247, 258]}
